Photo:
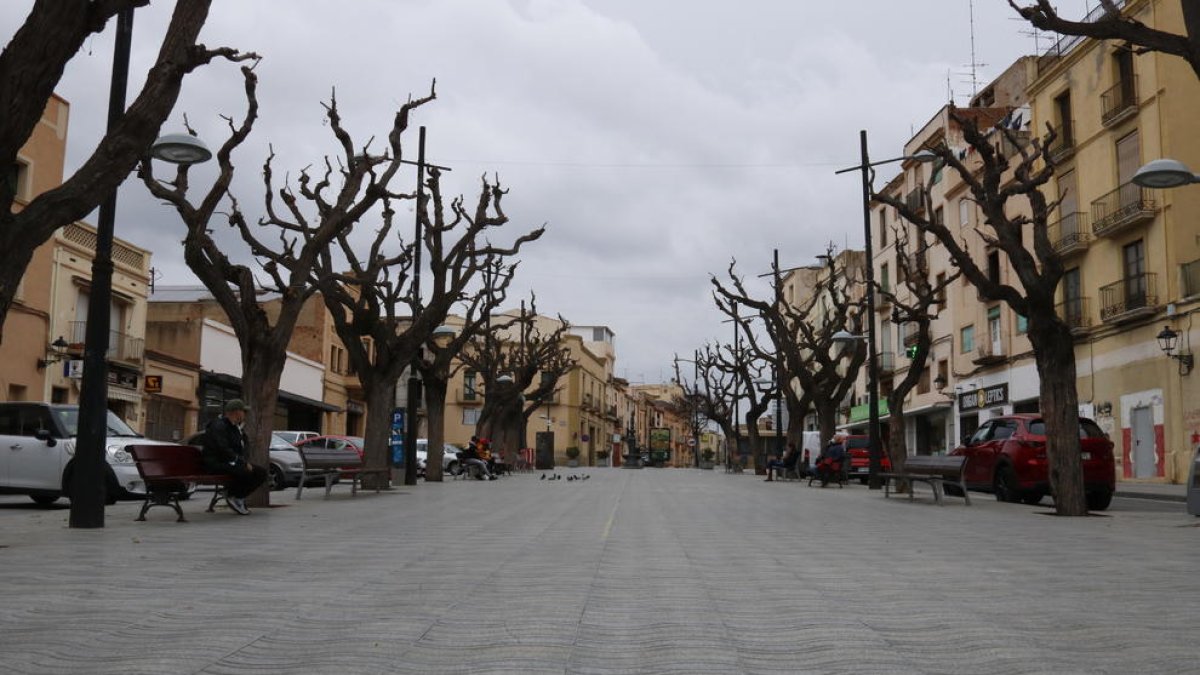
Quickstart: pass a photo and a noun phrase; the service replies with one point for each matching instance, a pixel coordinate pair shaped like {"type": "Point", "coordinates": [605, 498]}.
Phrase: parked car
{"type": "Point", "coordinates": [295, 437]}
{"type": "Point", "coordinates": [450, 461]}
{"type": "Point", "coordinates": [354, 443]}
{"type": "Point", "coordinates": [38, 445]}
{"type": "Point", "coordinates": [858, 449]}
{"type": "Point", "coordinates": [1007, 456]}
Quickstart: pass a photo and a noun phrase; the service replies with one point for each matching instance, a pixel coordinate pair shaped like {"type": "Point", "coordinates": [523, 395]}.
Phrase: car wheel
{"type": "Point", "coordinates": [453, 468]}
{"type": "Point", "coordinates": [276, 481]}
{"type": "Point", "coordinates": [44, 500]}
{"type": "Point", "coordinates": [1099, 501]}
{"type": "Point", "coordinates": [1005, 484]}
{"type": "Point", "coordinates": [1032, 498]}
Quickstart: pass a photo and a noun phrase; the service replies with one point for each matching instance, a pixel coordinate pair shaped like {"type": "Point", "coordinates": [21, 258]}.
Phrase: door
{"type": "Point", "coordinates": [34, 464]}
{"type": "Point", "coordinates": [1134, 258]}
{"type": "Point", "coordinates": [1145, 459]}
{"type": "Point", "coordinates": [978, 470]}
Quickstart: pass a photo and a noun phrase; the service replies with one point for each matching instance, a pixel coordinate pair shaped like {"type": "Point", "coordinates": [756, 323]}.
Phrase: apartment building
{"type": "Point", "coordinates": [41, 357]}
{"type": "Point", "coordinates": [1133, 253]}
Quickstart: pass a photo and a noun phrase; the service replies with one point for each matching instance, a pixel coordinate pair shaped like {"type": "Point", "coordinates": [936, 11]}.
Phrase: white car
{"type": "Point", "coordinates": [37, 449]}
{"type": "Point", "coordinates": [450, 463]}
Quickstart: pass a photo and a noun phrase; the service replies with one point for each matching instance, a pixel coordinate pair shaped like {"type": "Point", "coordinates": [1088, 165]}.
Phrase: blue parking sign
{"type": "Point", "coordinates": [397, 437]}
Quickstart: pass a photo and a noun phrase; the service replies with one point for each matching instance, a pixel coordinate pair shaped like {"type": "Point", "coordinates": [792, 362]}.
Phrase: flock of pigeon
{"type": "Point", "coordinates": [558, 476]}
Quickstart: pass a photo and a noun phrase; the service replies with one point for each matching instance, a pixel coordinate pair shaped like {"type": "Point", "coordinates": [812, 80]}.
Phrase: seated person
{"type": "Point", "coordinates": [829, 462]}
{"type": "Point", "coordinates": [788, 463]}
{"type": "Point", "coordinates": [472, 457]}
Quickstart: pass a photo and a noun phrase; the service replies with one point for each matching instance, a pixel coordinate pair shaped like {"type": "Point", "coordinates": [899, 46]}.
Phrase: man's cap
{"type": "Point", "coordinates": [234, 405]}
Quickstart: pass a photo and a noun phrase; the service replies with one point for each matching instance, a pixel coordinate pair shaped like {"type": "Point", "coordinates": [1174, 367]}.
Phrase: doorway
{"type": "Point", "coordinates": [1145, 459]}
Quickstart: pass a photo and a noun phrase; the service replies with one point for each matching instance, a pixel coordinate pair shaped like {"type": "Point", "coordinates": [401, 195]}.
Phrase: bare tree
{"type": "Point", "coordinates": [999, 187]}
{"type": "Point", "coordinates": [717, 387]}
{"type": "Point", "coordinates": [364, 300]}
{"type": "Point", "coordinates": [1111, 25]}
{"type": "Point", "coordinates": [31, 67]}
{"type": "Point", "coordinates": [534, 362]}
{"type": "Point", "coordinates": [747, 367]}
{"type": "Point", "coordinates": [919, 308]}
{"type": "Point", "coordinates": [442, 364]}
{"type": "Point", "coordinates": [362, 183]}
{"type": "Point", "coordinates": [803, 343]}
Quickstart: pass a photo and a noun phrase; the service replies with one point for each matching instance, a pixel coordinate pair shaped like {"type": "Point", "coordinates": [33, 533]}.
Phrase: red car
{"type": "Point", "coordinates": [1007, 456]}
{"type": "Point", "coordinates": [858, 448]}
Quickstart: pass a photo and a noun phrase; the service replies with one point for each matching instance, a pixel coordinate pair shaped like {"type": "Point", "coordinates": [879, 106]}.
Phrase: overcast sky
{"type": "Point", "coordinates": [657, 139]}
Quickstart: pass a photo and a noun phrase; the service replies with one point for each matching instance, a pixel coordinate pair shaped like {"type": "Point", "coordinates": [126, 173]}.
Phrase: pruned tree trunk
{"type": "Point", "coordinates": [261, 371]}
{"type": "Point", "coordinates": [1054, 351]}
{"type": "Point", "coordinates": [435, 415]}
{"type": "Point", "coordinates": [897, 449]}
{"type": "Point", "coordinates": [381, 399]}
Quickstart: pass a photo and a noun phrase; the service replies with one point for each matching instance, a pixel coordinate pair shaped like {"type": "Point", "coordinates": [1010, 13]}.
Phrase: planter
{"type": "Point", "coordinates": [572, 463]}
{"type": "Point", "coordinates": [706, 465]}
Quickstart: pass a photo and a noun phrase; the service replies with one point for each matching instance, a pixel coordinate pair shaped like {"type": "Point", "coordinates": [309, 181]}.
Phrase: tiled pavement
{"type": "Point", "coordinates": [631, 571]}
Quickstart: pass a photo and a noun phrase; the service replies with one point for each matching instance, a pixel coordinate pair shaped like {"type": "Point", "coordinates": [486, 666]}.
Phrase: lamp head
{"type": "Point", "coordinates": [844, 336]}
{"type": "Point", "coordinates": [1167, 339]}
{"type": "Point", "coordinates": [923, 156]}
{"type": "Point", "coordinates": [180, 149]}
{"type": "Point", "coordinates": [504, 379]}
{"type": "Point", "coordinates": [442, 336]}
{"type": "Point", "coordinates": [1164, 173]}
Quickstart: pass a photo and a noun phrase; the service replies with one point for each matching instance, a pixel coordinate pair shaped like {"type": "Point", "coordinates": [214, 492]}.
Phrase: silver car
{"type": "Point", "coordinates": [450, 461]}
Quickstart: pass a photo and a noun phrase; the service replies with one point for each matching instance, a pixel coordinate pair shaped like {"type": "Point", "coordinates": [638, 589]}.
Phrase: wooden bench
{"type": "Point", "coordinates": [169, 471]}
{"type": "Point", "coordinates": [330, 463]}
{"type": "Point", "coordinates": [934, 470]}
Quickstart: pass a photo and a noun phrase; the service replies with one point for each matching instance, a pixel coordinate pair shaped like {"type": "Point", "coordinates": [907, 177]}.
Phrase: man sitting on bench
{"type": "Point", "coordinates": [787, 464]}
{"type": "Point", "coordinates": [224, 451]}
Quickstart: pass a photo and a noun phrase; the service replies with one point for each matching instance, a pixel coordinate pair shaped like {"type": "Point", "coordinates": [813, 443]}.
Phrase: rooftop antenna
{"type": "Point", "coordinates": [975, 64]}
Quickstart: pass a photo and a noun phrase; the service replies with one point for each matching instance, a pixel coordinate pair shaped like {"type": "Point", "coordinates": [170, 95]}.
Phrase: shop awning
{"type": "Point", "coordinates": [860, 413]}
{"type": "Point", "coordinates": [285, 396]}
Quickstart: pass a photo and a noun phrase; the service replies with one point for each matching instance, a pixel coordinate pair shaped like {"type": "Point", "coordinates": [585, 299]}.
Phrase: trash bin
{"type": "Point", "coordinates": [1193, 484]}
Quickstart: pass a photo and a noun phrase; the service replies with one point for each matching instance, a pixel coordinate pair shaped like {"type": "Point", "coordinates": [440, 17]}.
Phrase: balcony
{"type": "Point", "coordinates": [1130, 299]}
{"type": "Point", "coordinates": [1068, 42]}
{"type": "Point", "coordinates": [1006, 145]}
{"type": "Point", "coordinates": [989, 352]}
{"type": "Point", "coordinates": [1119, 103]}
{"type": "Point", "coordinates": [1063, 146]}
{"type": "Point", "coordinates": [917, 261]}
{"type": "Point", "coordinates": [1075, 313]}
{"type": "Point", "coordinates": [1125, 207]}
{"type": "Point", "coordinates": [887, 363]}
{"type": "Point", "coordinates": [883, 302]}
{"type": "Point", "coordinates": [914, 200]}
{"type": "Point", "coordinates": [121, 347]}
{"type": "Point", "coordinates": [1069, 234]}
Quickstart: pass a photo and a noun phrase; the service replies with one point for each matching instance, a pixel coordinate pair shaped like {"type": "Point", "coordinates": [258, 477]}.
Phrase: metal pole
{"type": "Point", "coordinates": [779, 374]}
{"type": "Point", "coordinates": [737, 412]}
{"type": "Point", "coordinates": [874, 449]}
{"type": "Point", "coordinates": [696, 407]}
{"type": "Point", "coordinates": [89, 476]}
{"type": "Point", "coordinates": [414, 382]}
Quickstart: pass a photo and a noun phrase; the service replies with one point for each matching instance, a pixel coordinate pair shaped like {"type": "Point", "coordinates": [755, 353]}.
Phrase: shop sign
{"type": "Point", "coordinates": [987, 397]}
{"type": "Point", "coordinates": [153, 384]}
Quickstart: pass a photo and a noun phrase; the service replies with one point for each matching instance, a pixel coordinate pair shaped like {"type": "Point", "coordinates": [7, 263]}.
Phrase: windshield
{"type": "Point", "coordinates": [1087, 428]}
{"type": "Point", "coordinates": [280, 443]}
{"type": "Point", "coordinates": [69, 418]}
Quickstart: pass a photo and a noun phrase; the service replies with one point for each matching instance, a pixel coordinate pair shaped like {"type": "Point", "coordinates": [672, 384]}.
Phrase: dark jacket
{"type": "Point", "coordinates": [224, 444]}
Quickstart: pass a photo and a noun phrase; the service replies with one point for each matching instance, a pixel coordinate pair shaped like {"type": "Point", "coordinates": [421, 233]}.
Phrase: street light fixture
{"type": "Point", "coordinates": [1167, 339]}
{"type": "Point", "coordinates": [1164, 173]}
{"type": "Point", "coordinates": [864, 168]}
{"type": "Point", "coordinates": [180, 149]}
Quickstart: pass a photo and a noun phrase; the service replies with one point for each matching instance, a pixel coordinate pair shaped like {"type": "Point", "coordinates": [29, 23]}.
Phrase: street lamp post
{"type": "Point", "coordinates": [875, 449]}
{"type": "Point", "coordinates": [88, 479]}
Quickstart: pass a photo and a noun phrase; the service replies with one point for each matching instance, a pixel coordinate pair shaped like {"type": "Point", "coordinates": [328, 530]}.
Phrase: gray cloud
{"type": "Point", "coordinates": [659, 140]}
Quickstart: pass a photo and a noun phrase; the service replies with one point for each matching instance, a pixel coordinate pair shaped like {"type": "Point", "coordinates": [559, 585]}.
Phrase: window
{"type": "Point", "coordinates": [993, 266]}
{"type": "Point", "coordinates": [1129, 158]}
{"type": "Point", "coordinates": [1062, 109]}
{"type": "Point", "coordinates": [940, 300]}
{"type": "Point", "coordinates": [944, 372]}
{"type": "Point", "coordinates": [15, 179]}
{"type": "Point", "coordinates": [1123, 65]}
{"type": "Point", "coordinates": [883, 230]}
{"type": "Point", "coordinates": [993, 316]}
{"type": "Point", "coordinates": [1022, 324]}
{"type": "Point", "coordinates": [885, 281]}
{"type": "Point", "coordinates": [967, 339]}
{"type": "Point", "coordinates": [964, 212]}
{"type": "Point", "coordinates": [939, 215]}
{"type": "Point", "coordinates": [58, 394]}
{"type": "Point", "coordinates": [1134, 258]}
{"type": "Point", "coordinates": [469, 385]}
{"type": "Point", "coordinates": [470, 417]}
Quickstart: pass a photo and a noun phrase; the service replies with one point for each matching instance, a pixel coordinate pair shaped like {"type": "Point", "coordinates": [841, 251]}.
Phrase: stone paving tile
{"type": "Point", "coordinates": [656, 571]}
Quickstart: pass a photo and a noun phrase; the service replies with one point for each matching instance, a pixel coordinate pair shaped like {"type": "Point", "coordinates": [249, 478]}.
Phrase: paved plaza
{"type": "Point", "coordinates": [678, 571]}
